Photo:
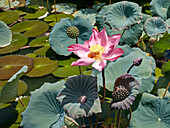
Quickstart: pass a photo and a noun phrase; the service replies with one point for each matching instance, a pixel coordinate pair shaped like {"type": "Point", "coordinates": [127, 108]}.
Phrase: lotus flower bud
{"type": "Point", "coordinates": [72, 32]}
{"type": "Point", "coordinates": [137, 61]}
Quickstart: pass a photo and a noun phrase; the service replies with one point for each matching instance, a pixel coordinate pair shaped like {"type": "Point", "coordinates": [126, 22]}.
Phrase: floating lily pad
{"type": "Point", "coordinates": [5, 3]}
{"type": "Point", "coordinates": [9, 16]}
{"type": "Point", "coordinates": [42, 66]}
{"type": "Point", "coordinates": [31, 28]}
{"type": "Point", "coordinates": [84, 103]}
{"type": "Point", "coordinates": [22, 88]}
{"type": "Point", "coordinates": [153, 111]}
{"type": "Point", "coordinates": [122, 15]}
{"type": "Point", "coordinates": [115, 69]}
{"type": "Point", "coordinates": [13, 63]}
{"type": "Point", "coordinates": [160, 8]}
{"type": "Point", "coordinates": [5, 34]}
{"type": "Point", "coordinates": [10, 89]}
{"type": "Point", "coordinates": [65, 69]}
{"type": "Point", "coordinates": [18, 41]}
{"type": "Point", "coordinates": [44, 109]}
{"type": "Point", "coordinates": [35, 15]}
{"type": "Point", "coordinates": [154, 26]}
{"type": "Point", "coordinates": [67, 8]}
{"type": "Point", "coordinates": [52, 18]}
{"type": "Point", "coordinates": [59, 39]}
{"type": "Point", "coordinates": [89, 14]}
{"type": "Point", "coordinates": [162, 45]}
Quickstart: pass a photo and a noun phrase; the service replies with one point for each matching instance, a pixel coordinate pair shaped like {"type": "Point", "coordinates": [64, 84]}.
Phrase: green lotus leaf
{"type": "Point", "coordinates": [115, 69]}
{"type": "Point", "coordinates": [160, 8]}
{"type": "Point", "coordinates": [84, 103]}
{"type": "Point", "coordinates": [154, 26]}
{"type": "Point", "coordinates": [166, 70]}
{"type": "Point", "coordinates": [67, 8]}
{"type": "Point", "coordinates": [130, 36]}
{"type": "Point", "coordinates": [18, 41]}
{"type": "Point", "coordinates": [13, 63]}
{"type": "Point", "coordinates": [35, 15]}
{"type": "Point", "coordinates": [5, 3]}
{"type": "Point", "coordinates": [65, 69]}
{"type": "Point", "coordinates": [44, 110]}
{"type": "Point", "coordinates": [162, 45]}
{"type": "Point", "coordinates": [70, 123]}
{"type": "Point", "coordinates": [31, 28]}
{"type": "Point", "coordinates": [162, 83]}
{"type": "Point", "coordinates": [52, 18]}
{"type": "Point", "coordinates": [8, 116]}
{"type": "Point", "coordinates": [22, 88]}
{"type": "Point", "coordinates": [10, 89]}
{"type": "Point", "coordinates": [59, 39]}
{"type": "Point", "coordinates": [41, 64]}
{"type": "Point", "coordinates": [5, 35]}
{"type": "Point", "coordinates": [89, 14]}
{"type": "Point", "coordinates": [153, 111]}
{"type": "Point", "coordinates": [168, 23]}
{"type": "Point", "coordinates": [9, 16]}
{"type": "Point", "coordinates": [122, 15]}
{"type": "Point", "coordinates": [161, 92]}
{"type": "Point", "coordinates": [98, 6]}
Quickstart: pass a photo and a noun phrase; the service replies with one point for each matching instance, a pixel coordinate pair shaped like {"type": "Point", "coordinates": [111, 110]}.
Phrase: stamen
{"type": "Point", "coordinates": [96, 48]}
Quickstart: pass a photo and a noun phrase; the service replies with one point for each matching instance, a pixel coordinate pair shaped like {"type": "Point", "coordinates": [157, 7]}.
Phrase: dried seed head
{"type": "Point", "coordinates": [120, 94]}
{"type": "Point", "coordinates": [72, 32]}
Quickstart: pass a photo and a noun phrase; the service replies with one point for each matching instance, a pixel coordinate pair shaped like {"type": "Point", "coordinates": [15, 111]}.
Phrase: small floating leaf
{"type": "Point", "coordinates": [42, 66]}
{"type": "Point", "coordinates": [5, 35]}
{"type": "Point", "coordinates": [9, 16]}
{"type": "Point", "coordinates": [9, 65]}
{"type": "Point", "coordinates": [154, 26]}
{"type": "Point", "coordinates": [35, 15]}
{"type": "Point", "coordinates": [18, 41]}
{"type": "Point", "coordinates": [31, 28]}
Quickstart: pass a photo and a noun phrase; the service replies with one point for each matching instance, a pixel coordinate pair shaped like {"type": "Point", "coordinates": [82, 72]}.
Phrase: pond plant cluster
{"type": "Point", "coordinates": [106, 65]}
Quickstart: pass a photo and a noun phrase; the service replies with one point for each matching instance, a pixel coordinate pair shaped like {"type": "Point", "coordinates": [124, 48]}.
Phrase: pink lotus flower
{"type": "Point", "coordinates": [98, 49]}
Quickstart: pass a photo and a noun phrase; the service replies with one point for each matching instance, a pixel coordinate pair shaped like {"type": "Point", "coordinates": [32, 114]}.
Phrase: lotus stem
{"type": "Point", "coordinates": [123, 32]}
{"type": "Point", "coordinates": [97, 120]}
{"type": "Point", "coordinates": [130, 68]}
{"type": "Point", "coordinates": [166, 90]}
{"type": "Point", "coordinates": [42, 2]}
{"type": "Point", "coordinates": [110, 1]}
{"type": "Point", "coordinates": [55, 11]}
{"type": "Point", "coordinates": [90, 122]}
{"type": "Point", "coordinates": [48, 6]}
{"type": "Point", "coordinates": [77, 43]}
{"type": "Point", "coordinates": [129, 117]}
{"type": "Point", "coordinates": [104, 87]}
{"type": "Point", "coordinates": [115, 123]}
{"type": "Point", "coordinates": [108, 116]}
{"type": "Point", "coordinates": [9, 3]}
{"type": "Point", "coordinates": [82, 119]}
{"type": "Point", "coordinates": [119, 117]}
{"type": "Point", "coordinates": [21, 102]}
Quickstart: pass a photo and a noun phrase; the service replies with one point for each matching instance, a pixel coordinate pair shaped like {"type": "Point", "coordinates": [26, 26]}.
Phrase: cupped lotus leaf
{"type": "Point", "coordinates": [42, 66]}
{"type": "Point", "coordinates": [115, 69]}
{"type": "Point", "coordinates": [5, 4]}
{"type": "Point", "coordinates": [59, 39]}
{"type": "Point", "coordinates": [70, 123]}
{"type": "Point", "coordinates": [44, 110]}
{"type": "Point", "coordinates": [67, 8]}
{"type": "Point", "coordinates": [13, 63]}
{"type": "Point", "coordinates": [162, 45]}
{"type": "Point", "coordinates": [152, 112]}
{"type": "Point", "coordinates": [5, 35]}
{"type": "Point", "coordinates": [31, 28]}
{"type": "Point", "coordinates": [122, 15]}
{"type": "Point", "coordinates": [9, 16]}
{"type": "Point", "coordinates": [35, 15]}
{"type": "Point", "coordinates": [89, 14]}
{"type": "Point", "coordinates": [65, 69]}
{"type": "Point", "coordinates": [154, 26]}
{"type": "Point", "coordinates": [166, 70]}
{"type": "Point", "coordinates": [160, 8]}
{"type": "Point", "coordinates": [79, 97]}
{"type": "Point", "coordinates": [10, 89]}
{"type": "Point", "coordinates": [18, 41]}
{"type": "Point", "coordinates": [8, 116]}
{"type": "Point", "coordinates": [168, 23]}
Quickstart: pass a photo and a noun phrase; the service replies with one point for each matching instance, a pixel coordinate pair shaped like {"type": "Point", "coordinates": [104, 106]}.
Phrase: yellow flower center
{"type": "Point", "coordinates": [96, 52]}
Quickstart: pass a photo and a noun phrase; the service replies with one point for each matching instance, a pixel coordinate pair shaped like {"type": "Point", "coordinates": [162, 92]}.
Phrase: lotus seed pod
{"type": "Point", "coordinates": [120, 94]}
{"type": "Point", "coordinates": [137, 61]}
{"type": "Point", "coordinates": [72, 32]}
